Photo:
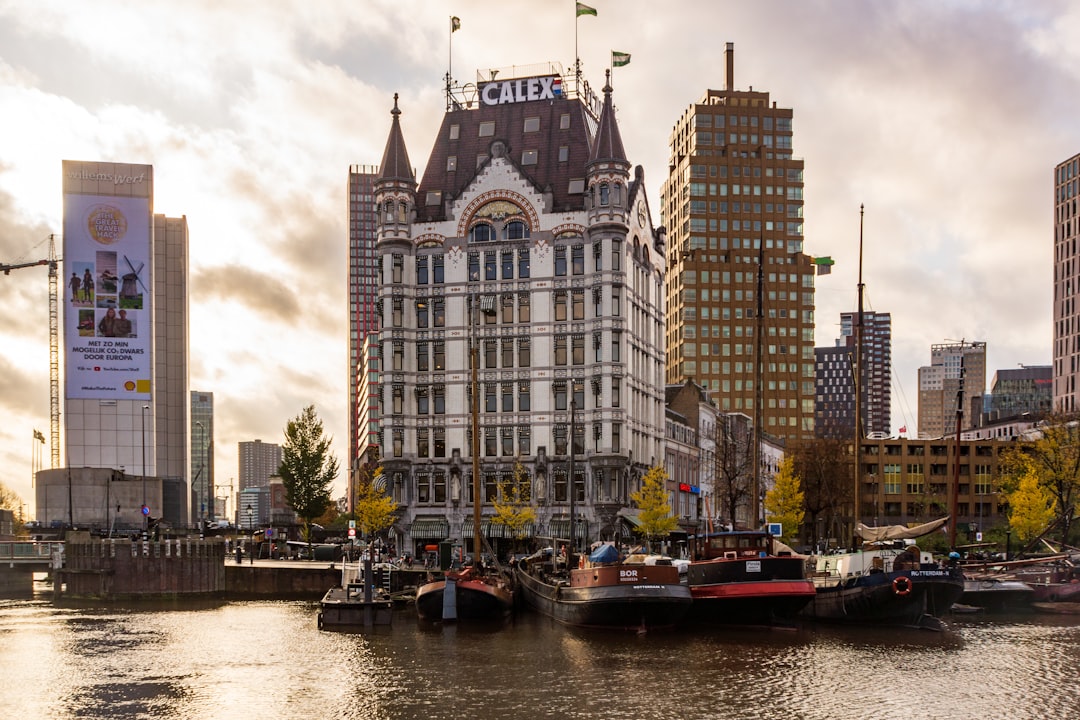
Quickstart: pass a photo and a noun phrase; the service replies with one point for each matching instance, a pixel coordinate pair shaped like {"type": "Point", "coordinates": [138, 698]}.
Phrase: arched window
{"type": "Point", "coordinates": [481, 232]}
{"type": "Point", "coordinates": [616, 199]}
{"type": "Point", "coordinates": [604, 195]}
{"type": "Point", "coordinates": [402, 212]}
{"type": "Point", "coordinates": [515, 230]}
{"type": "Point", "coordinates": [389, 211]}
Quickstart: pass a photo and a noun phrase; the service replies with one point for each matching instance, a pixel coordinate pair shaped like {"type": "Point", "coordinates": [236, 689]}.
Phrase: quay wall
{"type": "Point", "coordinates": [191, 567]}
{"type": "Point", "coordinates": [117, 568]}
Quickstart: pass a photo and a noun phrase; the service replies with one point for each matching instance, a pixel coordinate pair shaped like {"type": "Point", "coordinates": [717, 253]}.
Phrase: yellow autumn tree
{"type": "Point", "coordinates": [655, 518]}
{"type": "Point", "coordinates": [1031, 506]}
{"type": "Point", "coordinates": [1053, 458]}
{"type": "Point", "coordinates": [375, 509]}
{"type": "Point", "coordinates": [513, 508]}
{"type": "Point", "coordinates": [784, 503]}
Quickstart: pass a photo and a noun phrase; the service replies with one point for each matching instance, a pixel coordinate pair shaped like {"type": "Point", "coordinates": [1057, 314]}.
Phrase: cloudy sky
{"type": "Point", "coordinates": [944, 118]}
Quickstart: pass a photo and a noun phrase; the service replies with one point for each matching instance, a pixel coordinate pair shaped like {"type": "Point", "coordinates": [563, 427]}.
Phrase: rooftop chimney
{"type": "Point", "coordinates": [729, 60]}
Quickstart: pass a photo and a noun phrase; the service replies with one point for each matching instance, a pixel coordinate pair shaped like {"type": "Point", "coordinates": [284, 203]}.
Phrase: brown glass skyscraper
{"type": "Point", "coordinates": [733, 203]}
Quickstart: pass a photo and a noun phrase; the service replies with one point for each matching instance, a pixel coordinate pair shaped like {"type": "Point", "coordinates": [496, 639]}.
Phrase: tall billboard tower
{"type": "Point", "coordinates": [108, 316]}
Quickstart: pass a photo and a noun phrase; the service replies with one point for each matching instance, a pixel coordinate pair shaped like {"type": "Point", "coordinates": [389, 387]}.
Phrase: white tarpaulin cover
{"type": "Point", "coordinates": [898, 532]}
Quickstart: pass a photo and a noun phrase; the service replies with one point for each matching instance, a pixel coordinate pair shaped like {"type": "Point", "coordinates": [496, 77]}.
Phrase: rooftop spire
{"type": "Point", "coordinates": [608, 145]}
{"type": "Point", "coordinates": [395, 162]}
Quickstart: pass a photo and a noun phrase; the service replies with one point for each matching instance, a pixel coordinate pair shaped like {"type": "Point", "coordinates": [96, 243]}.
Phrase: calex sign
{"type": "Point", "coordinates": [547, 87]}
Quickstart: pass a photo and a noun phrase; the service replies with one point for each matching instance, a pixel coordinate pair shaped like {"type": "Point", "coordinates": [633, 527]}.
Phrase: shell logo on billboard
{"type": "Point", "coordinates": [106, 224]}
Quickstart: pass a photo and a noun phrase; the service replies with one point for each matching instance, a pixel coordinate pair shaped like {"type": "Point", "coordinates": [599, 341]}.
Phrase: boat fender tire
{"type": "Point", "coordinates": [901, 585]}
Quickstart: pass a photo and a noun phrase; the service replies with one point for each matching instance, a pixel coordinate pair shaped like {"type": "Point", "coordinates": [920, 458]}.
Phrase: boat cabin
{"type": "Point", "coordinates": [733, 545]}
{"type": "Point", "coordinates": [873, 559]}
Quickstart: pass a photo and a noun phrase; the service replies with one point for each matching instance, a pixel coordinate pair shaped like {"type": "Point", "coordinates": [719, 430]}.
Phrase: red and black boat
{"type": "Point", "coordinates": [739, 577]}
{"type": "Point", "coordinates": [470, 595]}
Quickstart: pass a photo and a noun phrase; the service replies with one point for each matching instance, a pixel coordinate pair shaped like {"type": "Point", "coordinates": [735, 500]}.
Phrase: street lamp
{"type": "Point", "coordinates": [200, 490]}
{"type": "Point", "coordinates": [251, 553]}
{"type": "Point", "coordinates": [145, 513]}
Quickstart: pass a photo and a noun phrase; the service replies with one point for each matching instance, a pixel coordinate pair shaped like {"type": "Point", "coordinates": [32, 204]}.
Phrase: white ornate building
{"type": "Point", "coordinates": [530, 234]}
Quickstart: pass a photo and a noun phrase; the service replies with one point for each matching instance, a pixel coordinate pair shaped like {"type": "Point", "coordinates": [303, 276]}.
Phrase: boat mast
{"type": "Point", "coordinates": [759, 371]}
{"type": "Point", "coordinates": [474, 358]}
{"type": "Point", "coordinates": [954, 501]}
{"type": "Point", "coordinates": [573, 485]}
{"type": "Point", "coordinates": [758, 375]}
{"type": "Point", "coordinates": [858, 363]}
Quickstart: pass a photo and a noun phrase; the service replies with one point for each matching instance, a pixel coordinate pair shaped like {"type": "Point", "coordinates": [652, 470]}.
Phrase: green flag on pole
{"type": "Point", "coordinates": [618, 59]}
{"type": "Point", "coordinates": [455, 23]}
{"type": "Point", "coordinates": [583, 9]}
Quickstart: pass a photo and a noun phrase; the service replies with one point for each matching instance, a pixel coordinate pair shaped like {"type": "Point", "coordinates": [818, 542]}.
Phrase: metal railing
{"type": "Point", "coordinates": [29, 552]}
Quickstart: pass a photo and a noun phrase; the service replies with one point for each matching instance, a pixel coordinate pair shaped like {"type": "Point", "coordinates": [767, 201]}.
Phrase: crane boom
{"type": "Point", "coordinates": [16, 266]}
{"type": "Point", "coordinates": [53, 263]}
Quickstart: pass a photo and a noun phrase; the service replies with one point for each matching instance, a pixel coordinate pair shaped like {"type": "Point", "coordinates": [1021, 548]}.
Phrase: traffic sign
{"type": "Point", "coordinates": [145, 510]}
{"type": "Point", "coordinates": [352, 532]}
{"type": "Point", "coordinates": [269, 533]}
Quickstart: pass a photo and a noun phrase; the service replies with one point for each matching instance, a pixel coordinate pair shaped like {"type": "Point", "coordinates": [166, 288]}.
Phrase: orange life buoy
{"type": "Point", "coordinates": [901, 585]}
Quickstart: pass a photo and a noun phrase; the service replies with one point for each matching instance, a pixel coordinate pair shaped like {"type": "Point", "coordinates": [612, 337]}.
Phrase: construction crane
{"type": "Point", "coordinates": [53, 264]}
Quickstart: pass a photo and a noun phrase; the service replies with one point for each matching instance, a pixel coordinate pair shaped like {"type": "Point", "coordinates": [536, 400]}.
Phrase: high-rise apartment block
{"type": "Point", "coordinates": [739, 289]}
{"type": "Point", "coordinates": [363, 319]}
{"type": "Point", "coordinates": [529, 240]}
{"type": "Point", "coordinates": [955, 369]}
{"type": "Point", "coordinates": [835, 401]}
{"type": "Point", "coordinates": [258, 462]}
{"type": "Point", "coordinates": [1066, 286]}
{"type": "Point", "coordinates": [203, 505]}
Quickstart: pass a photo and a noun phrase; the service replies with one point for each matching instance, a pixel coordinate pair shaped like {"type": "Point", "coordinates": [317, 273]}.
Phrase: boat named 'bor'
{"type": "Point", "coordinates": [607, 592]}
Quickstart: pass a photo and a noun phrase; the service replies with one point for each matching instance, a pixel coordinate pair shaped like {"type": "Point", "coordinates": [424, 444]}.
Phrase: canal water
{"type": "Point", "coordinates": [263, 660]}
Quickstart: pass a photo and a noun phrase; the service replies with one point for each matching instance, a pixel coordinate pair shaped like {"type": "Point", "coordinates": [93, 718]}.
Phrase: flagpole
{"type": "Point", "coordinates": [577, 58]}
{"type": "Point", "coordinates": [449, 61]}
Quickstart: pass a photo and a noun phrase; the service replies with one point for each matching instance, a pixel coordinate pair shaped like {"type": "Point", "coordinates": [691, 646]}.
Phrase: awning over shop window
{"type": "Point", "coordinates": [429, 529]}
{"type": "Point", "coordinates": [491, 529]}
{"type": "Point", "coordinates": [560, 528]}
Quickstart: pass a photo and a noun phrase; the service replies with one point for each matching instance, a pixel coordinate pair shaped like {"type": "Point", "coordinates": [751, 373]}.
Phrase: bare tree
{"type": "Point", "coordinates": [824, 469]}
{"type": "Point", "coordinates": [734, 477]}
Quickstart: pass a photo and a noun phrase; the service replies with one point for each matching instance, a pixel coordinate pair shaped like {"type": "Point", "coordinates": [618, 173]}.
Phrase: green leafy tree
{"type": "Point", "coordinates": [307, 467]}
{"type": "Point", "coordinates": [1054, 459]}
{"type": "Point", "coordinates": [655, 506]}
{"type": "Point", "coordinates": [513, 508]}
{"type": "Point", "coordinates": [784, 503]}
{"type": "Point", "coordinates": [1031, 506]}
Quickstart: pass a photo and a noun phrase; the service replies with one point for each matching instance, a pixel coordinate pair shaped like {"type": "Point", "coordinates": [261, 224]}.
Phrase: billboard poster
{"type": "Point", "coordinates": [107, 297]}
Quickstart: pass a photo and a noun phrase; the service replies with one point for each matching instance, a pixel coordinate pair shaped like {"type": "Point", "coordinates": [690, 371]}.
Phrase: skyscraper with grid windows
{"type": "Point", "coordinates": [739, 286]}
